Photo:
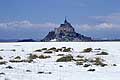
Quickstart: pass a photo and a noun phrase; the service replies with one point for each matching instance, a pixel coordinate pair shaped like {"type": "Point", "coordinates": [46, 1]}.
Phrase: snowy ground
{"type": "Point", "coordinates": [49, 69]}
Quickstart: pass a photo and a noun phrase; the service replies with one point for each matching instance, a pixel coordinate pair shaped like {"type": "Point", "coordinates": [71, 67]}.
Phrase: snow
{"type": "Point", "coordinates": [53, 40]}
{"type": "Point", "coordinates": [51, 69]}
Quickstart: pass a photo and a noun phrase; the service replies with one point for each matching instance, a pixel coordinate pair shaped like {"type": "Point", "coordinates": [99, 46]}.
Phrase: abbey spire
{"type": "Point", "coordinates": [65, 21]}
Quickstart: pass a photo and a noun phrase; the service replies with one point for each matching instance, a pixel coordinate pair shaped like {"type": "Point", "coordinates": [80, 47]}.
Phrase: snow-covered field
{"type": "Point", "coordinates": [49, 69]}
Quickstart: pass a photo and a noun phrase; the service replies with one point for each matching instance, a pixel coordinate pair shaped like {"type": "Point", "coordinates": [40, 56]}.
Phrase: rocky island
{"type": "Point", "coordinates": [64, 33]}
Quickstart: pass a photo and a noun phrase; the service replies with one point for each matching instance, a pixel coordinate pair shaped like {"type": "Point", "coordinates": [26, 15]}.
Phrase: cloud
{"type": "Point", "coordinates": [112, 18]}
{"type": "Point", "coordinates": [26, 24]}
{"type": "Point", "coordinates": [100, 31]}
{"type": "Point", "coordinates": [25, 29]}
{"type": "Point", "coordinates": [101, 27]}
{"type": "Point", "coordinates": [109, 22]}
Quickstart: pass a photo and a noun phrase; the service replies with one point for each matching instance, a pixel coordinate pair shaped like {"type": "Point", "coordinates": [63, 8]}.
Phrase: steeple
{"type": "Point", "coordinates": [65, 20]}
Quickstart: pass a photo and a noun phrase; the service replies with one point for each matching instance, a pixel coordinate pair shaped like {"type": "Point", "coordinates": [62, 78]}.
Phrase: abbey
{"type": "Point", "coordinates": [66, 27]}
{"type": "Point", "coordinates": [65, 32]}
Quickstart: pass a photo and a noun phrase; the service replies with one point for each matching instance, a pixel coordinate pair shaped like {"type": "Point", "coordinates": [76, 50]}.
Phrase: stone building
{"type": "Point", "coordinates": [64, 28]}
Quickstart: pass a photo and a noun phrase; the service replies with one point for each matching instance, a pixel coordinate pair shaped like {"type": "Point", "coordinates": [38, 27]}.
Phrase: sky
{"type": "Point", "coordinates": [23, 19]}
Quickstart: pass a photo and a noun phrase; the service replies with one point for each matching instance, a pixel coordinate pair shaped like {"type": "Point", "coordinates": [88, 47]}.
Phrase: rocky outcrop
{"type": "Point", "coordinates": [65, 33]}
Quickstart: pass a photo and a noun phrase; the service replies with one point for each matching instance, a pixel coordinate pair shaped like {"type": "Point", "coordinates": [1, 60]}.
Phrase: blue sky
{"type": "Point", "coordinates": [35, 18]}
